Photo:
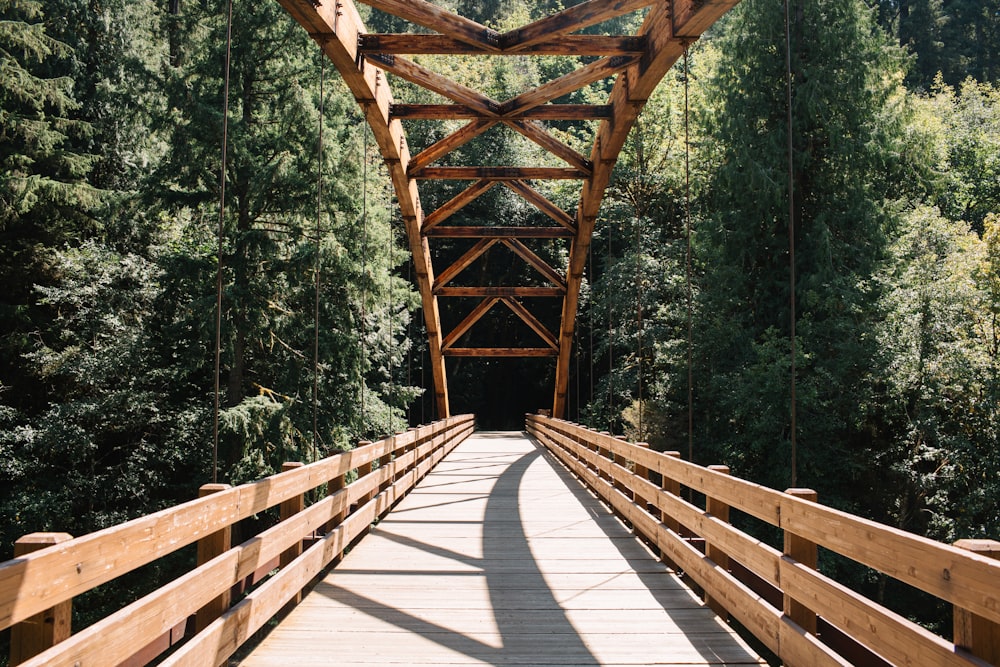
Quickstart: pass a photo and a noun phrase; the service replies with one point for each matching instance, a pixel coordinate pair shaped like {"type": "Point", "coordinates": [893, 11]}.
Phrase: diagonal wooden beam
{"type": "Point", "coordinates": [456, 203]}
{"type": "Point", "coordinates": [440, 20]}
{"type": "Point", "coordinates": [477, 314]}
{"type": "Point", "coordinates": [540, 136]}
{"type": "Point", "coordinates": [536, 262]}
{"type": "Point", "coordinates": [484, 232]}
{"type": "Point", "coordinates": [437, 83]}
{"type": "Point", "coordinates": [464, 262]}
{"type": "Point", "coordinates": [498, 173]}
{"type": "Point", "coordinates": [569, 20]}
{"type": "Point", "coordinates": [534, 197]}
{"type": "Point", "coordinates": [528, 318]}
{"type": "Point", "coordinates": [567, 83]}
{"type": "Point", "coordinates": [562, 45]}
{"type": "Point", "coordinates": [454, 140]}
{"type": "Point", "coordinates": [458, 112]}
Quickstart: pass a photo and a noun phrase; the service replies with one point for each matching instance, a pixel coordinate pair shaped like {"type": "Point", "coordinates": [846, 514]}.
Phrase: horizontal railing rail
{"type": "Point", "coordinates": [810, 619]}
{"type": "Point", "coordinates": [36, 586]}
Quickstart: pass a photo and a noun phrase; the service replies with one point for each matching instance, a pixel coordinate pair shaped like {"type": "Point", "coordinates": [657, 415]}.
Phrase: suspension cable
{"type": "Point", "coordinates": [611, 351]}
{"type": "Point", "coordinates": [364, 271]}
{"type": "Point", "coordinates": [317, 268]}
{"type": "Point", "coordinates": [640, 156]}
{"type": "Point", "coordinates": [409, 343]}
{"type": "Point", "coordinates": [687, 233]}
{"type": "Point", "coordinates": [590, 318]}
{"type": "Point", "coordinates": [791, 233]}
{"type": "Point", "coordinates": [221, 238]}
{"type": "Point", "coordinates": [389, 337]}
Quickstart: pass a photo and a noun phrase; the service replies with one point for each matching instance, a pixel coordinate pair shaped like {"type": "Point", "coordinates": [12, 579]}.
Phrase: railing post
{"type": "Point", "coordinates": [622, 462]}
{"type": "Point", "coordinates": [805, 552]}
{"type": "Point", "coordinates": [980, 636]}
{"type": "Point", "coordinates": [209, 547]}
{"type": "Point", "coordinates": [603, 453]}
{"type": "Point", "coordinates": [335, 485]}
{"type": "Point", "coordinates": [286, 510]}
{"type": "Point", "coordinates": [47, 628]}
{"type": "Point", "coordinates": [364, 469]}
{"type": "Point", "coordinates": [642, 472]}
{"type": "Point", "coordinates": [384, 462]}
{"type": "Point", "coordinates": [720, 511]}
{"type": "Point", "coordinates": [673, 487]}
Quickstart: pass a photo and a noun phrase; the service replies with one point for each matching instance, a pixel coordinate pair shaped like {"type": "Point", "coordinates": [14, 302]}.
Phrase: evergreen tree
{"type": "Point", "coordinates": [848, 133]}
{"type": "Point", "coordinates": [45, 199]}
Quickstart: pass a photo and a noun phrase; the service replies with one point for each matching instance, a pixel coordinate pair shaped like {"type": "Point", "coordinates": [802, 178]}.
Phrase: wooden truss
{"type": "Point", "coordinates": [637, 61]}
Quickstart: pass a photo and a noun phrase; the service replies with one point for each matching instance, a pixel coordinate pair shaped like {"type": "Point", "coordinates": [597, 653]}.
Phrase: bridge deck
{"type": "Point", "coordinates": [500, 557]}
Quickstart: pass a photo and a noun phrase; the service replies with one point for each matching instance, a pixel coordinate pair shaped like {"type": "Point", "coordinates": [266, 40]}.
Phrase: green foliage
{"type": "Point", "coordinates": [939, 347]}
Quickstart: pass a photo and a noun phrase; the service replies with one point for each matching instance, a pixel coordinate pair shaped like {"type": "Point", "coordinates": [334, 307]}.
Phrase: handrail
{"type": "Point", "coordinates": [42, 580]}
{"type": "Point", "coordinates": [618, 471]}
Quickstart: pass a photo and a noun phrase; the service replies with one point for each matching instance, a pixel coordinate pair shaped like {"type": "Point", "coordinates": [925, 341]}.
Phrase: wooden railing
{"type": "Point", "coordinates": [36, 587]}
{"type": "Point", "coordinates": [801, 615]}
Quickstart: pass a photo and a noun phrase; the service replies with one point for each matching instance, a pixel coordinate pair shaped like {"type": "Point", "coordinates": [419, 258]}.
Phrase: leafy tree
{"type": "Point", "coordinates": [966, 121]}
{"type": "Point", "coordinates": [939, 344]}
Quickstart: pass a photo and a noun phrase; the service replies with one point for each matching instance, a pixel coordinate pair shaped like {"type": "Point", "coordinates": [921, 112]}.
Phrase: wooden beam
{"type": "Point", "coordinates": [528, 318]}
{"type": "Point", "coordinates": [434, 82]}
{"type": "Point", "coordinates": [498, 173]}
{"type": "Point", "coordinates": [454, 140]}
{"type": "Point", "coordinates": [563, 45]}
{"type": "Point", "coordinates": [500, 352]}
{"type": "Point", "coordinates": [457, 111]}
{"type": "Point", "coordinates": [477, 314]}
{"type": "Point", "coordinates": [536, 262]}
{"type": "Point", "coordinates": [540, 136]}
{"type": "Point", "coordinates": [463, 262]}
{"type": "Point", "coordinates": [439, 20]}
{"type": "Point", "coordinates": [567, 83]}
{"type": "Point", "coordinates": [500, 291]}
{"type": "Point", "coordinates": [498, 232]}
{"type": "Point", "coordinates": [569, 20]}
{"type": "Point", "coordinates": [456, 203]}
{"type": "Point", "coordinates": [535, 198]}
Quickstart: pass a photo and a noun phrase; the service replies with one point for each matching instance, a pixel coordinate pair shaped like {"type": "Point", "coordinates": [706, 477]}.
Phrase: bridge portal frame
{"type": "Point", "coordinates": [638, 62]}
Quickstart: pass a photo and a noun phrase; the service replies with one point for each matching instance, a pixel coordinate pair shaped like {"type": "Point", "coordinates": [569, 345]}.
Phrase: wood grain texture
{"type": "Point", "coordinates": [942, 570]}
{"type": "Point", "coordinates": [499, 557]}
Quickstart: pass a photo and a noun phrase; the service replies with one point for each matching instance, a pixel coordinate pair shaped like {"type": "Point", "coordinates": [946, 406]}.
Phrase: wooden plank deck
{"type": "Point", "coordinates": [500, 557]}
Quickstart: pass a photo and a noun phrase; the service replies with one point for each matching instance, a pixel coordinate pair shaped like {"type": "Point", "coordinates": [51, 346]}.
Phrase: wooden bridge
{"type": "Point", "coordinates": [559, 546]}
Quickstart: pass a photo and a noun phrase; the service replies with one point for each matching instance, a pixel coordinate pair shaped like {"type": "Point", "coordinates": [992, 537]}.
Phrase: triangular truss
{"type": "Point", "coordinates": [637, 61]}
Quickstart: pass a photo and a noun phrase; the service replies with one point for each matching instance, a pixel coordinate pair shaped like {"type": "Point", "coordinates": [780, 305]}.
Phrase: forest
{"type": "Point", "coordinates": [113, 245]}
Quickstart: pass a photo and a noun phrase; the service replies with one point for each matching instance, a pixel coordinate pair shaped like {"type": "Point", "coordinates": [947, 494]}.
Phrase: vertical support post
{"type": "Point", "coordinates": [720, 511]}
{"type": "Point", "coordinates": [603, 453]}
{"type": "Point", "coordinates": [363, 470]}
{"type": "Point", "coordinates": [47, 628]}
{"type": "Point", "coordinates": [287, 509]}
{"type": "Point", "coordinates": [980, 636]}
{"type": "Point", "coordinates": [336, 485]}
{"type": "Point", "coordinates": [673, 487]}
{"type": "Point", "coordinates": [209, 547]}
{"type": "Point", "coordinates": [620, 461]}
{"type": "Point", "coordinates": [384, 461]}
{"type": "Point", "coordinates": [642, 472]}
{"type": "Point", "coordinates": [805, 552]}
